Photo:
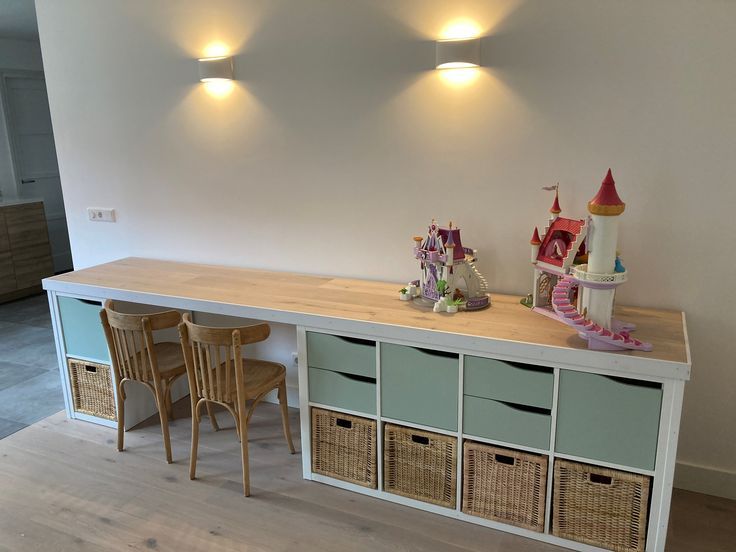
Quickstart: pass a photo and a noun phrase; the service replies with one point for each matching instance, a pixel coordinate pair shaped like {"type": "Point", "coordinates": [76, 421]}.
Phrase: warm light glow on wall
{"type": "Point", "coordinates": [216, 49]}
{"type": "Point", "coordinates": [460, 77]}
{"type": "Point", "coordinates": [460, 28]}
{"type": "Point", "coordinates": [219, 88]}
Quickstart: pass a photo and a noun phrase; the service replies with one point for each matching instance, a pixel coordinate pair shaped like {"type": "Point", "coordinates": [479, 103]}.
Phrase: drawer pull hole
{"type": "Point", "coordinates": [420, 439]}
{"type": "Point", "coordinates": [89, 368]}
{"type": "Point", "coordinates": [503, 459]}
{"type": "Point", "coordinates": [341, 422]}
{"type": "Point", "coordinates": [600, 479]}
{"type": "Point", "coordinates": [90, 302]}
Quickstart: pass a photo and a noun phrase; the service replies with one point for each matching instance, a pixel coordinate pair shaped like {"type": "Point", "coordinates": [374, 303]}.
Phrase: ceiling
{"type": "Point", "coordinates": [18, 19]}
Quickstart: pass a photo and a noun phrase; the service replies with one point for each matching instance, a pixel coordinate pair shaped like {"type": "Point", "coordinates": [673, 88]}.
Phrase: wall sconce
{"type": "Point", "coordinates": [216, 69]}
{"type": "Point", "coordinates": [458, 53]}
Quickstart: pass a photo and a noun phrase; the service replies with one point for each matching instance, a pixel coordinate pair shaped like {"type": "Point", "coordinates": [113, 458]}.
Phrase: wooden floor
{"type": "Point", "coordinates": [63, 486]}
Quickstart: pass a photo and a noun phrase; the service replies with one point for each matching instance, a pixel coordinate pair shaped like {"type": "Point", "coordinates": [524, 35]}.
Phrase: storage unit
{"type": "Point", "coordinates": [600, 507]}
{"type": "Point", "coordinates": [611, 419]}
{"type": "Point", "coordinates": [504, 485]}
{"type": "Point", "coordinates": [420, 465]}
{"type": "Point", "coordinates": [344, 447]}
{"type": "Point", "coordinates": [92, 389]}
{"type": "Point", "coordinates": [419, 386]}
{"type": "Point", "coordinates": [83, 333]}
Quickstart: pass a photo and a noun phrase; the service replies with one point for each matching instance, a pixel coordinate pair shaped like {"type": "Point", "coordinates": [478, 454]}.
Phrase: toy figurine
{"type": "Point", "coordinates": [450, 281]}
{"type": "Point", "coordinates": [577, 271]}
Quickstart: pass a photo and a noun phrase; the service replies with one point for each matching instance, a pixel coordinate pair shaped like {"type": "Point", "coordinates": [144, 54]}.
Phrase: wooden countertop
{"type": "Point", "coordinates": [372, 302]}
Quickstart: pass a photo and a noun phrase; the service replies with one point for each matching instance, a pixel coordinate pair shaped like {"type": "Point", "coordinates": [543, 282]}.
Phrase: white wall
{"type": "Point", "coordinates": [14, 55]}
{"type": "Point", "coordinates": [340, 140]}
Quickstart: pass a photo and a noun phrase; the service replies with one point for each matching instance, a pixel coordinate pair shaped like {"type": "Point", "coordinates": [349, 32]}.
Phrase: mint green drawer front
{"type": "Point", "coordinates": [608, 419]}
{"type": "Point", "coordinates": [82, 328]}
{"type": "Point", "coordinates": [506, 422]}
{"type": "Point", "coordinates": [495, 379]}
{"type": "Point", "coordinates": [419, 386]}
{"type": "Point", "coordinates": [341, 354]}
{"type": "Point", "coordinates": [342, 390]}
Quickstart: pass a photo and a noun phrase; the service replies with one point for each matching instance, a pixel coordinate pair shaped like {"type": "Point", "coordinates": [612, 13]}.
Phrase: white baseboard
{"type": "Point", "coordinates": [706, 480]}
{"type": "Point", "coordinates": [292, 396]}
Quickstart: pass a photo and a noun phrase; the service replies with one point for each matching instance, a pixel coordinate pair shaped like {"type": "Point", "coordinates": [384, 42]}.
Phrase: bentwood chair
{"type": "Point", "coordinates": [219, 374]}
{"type": "Point", "coordinates": [136, 358]}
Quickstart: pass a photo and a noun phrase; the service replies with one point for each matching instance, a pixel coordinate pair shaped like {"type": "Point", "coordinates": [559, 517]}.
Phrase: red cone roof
{"type": "Point", "coordinates": [535, 237]}
{"type": "Point", "coordinates": [555, 209]}
{"type": "Point", "coordinates": [606, 202]}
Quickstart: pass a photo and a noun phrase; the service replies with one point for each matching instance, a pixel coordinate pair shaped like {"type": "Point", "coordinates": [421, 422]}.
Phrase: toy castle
{"type": "Point", "coordinates": [577, 271]}
{"type": "Point", "coordinates": [449, 278]}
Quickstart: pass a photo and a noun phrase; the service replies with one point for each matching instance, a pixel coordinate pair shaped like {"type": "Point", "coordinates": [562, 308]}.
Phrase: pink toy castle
{"type": "Point", "coordinates": [577, 271]}
{"type": "Point", "coordinates": [450, 279]}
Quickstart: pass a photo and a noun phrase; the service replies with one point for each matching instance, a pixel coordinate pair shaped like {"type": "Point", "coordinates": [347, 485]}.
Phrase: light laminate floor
{"type": "Point", "coordinates": [64, 487]}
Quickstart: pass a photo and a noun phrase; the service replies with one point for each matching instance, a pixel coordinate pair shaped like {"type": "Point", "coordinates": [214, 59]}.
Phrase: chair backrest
{"type": "Point", "coordinates": [214, 355]}
{"type": "Point", "coordinates": [130, 340]}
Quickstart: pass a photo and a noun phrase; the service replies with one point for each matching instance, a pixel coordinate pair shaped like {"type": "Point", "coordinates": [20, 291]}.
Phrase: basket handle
{"type": "Point", "coordinates": [600, 479]}
{"type": "Point", "coordinates": [421, 439]}
{"type": "Point", "coordinates": [90, 368]}
{"type": "Point", "coordinates": [342, 422]}
{"type": "Point", "coordinates": [503, 459]}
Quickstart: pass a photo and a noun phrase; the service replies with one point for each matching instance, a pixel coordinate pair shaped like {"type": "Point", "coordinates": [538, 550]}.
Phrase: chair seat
{"type": "Point", "coordinates": [260, 376]}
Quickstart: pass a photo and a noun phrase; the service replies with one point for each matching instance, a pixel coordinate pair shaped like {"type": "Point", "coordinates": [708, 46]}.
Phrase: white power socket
{"type": "Point", "coordinates": [295, 358]}
{"type": "Point", "coordinates": [98, 214]}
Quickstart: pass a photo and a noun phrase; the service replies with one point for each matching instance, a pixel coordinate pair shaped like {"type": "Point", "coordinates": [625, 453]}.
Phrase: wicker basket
{"type": "Point", "coordinates": [599, 506]}
{"type": "Point", "coordinates": [420, 465]}
{"type": "Point", "coordinates": [91, 385]}
{"type": "Point", "coordinates": [504, 485]}
{"type": "Point", "coordinates": [344, 447]}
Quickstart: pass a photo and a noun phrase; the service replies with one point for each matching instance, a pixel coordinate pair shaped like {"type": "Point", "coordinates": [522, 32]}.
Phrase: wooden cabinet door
{"type": "Point", "coordinates": [29, 243]}
{"type": "Point", "coordinates": [7, 274]}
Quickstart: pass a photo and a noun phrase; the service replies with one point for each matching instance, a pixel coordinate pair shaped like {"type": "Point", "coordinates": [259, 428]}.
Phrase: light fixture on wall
{"type": "Point", "coordinates": [462, 53]}
{"type": "Point", "coordinates": [213, 69]}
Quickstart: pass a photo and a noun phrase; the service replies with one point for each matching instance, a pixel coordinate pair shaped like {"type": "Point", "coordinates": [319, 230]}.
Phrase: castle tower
{"type": "Point", "coordinates": [535, 243]}
{"type": "Point", "coordinates": [555, 210]}
{"type": "Point", "coordinates": [604, 210]}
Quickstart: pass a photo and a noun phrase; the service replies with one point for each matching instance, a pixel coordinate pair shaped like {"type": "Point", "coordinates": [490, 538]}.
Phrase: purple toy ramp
{"type": "Point", "coordinates": [599, 339]}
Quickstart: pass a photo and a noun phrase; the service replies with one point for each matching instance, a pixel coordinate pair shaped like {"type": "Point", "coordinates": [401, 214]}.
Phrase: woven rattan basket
{"type": "Point", "coordinates": [504, 485]}
{"type": "Point", "coordinates": [599, 506]}
{"type": "Point", "coordinates": [344, 447]}
{"type": "Point", "coordinates": [420, 465]}
{"type": "Point", "coordinates": [91, 385]}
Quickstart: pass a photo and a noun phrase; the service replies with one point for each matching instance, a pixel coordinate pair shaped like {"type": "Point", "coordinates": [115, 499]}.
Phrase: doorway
{"type": "Point", "coordinates": [33, 153]}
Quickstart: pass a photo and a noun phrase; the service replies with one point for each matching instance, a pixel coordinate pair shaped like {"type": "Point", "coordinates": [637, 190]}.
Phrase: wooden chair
{"type": "Point", "coordinates": [136, 358]}
{"type": "Point", "coordinates": [219, 374]}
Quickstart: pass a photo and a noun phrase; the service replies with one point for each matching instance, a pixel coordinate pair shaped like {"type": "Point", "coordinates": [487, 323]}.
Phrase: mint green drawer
{"type": "Point", "coordinates": [520, 384]}
{"type": "Point", "coordinates": [341, 354]}
{"type": "Point", "coordinates": [506, 422]}
{"type": "Point", "coordinates": [419, 386]}
{"type": "Point", "coordinates": [82, 328]}
{"type": "Point", "coordinates": [610, 419]}
{"type": "Point", "coordinates": [346, 391]}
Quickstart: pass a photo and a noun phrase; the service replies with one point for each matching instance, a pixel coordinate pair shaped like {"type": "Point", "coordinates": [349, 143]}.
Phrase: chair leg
{"type": "Point", "coordinates": [160, 403]}
{"type": "Point", "coordinates": [121, 417]}
{"type": "Point", "coordinates": [169, 402]}
{"type": "Point", "coordinates": [211, 416]}
{"type": "Point", "coordinates": [195, 441]}
{"type": "Point", "coordinates": [244, 454]}
{"type": "Point", "coordinates": [285, 415]}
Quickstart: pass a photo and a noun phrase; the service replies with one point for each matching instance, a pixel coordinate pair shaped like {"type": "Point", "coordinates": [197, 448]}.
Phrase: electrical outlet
{"type": "Point", "coordinates": [295, 358]}
{"type": "Point", "coordinates": [98, 214]}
